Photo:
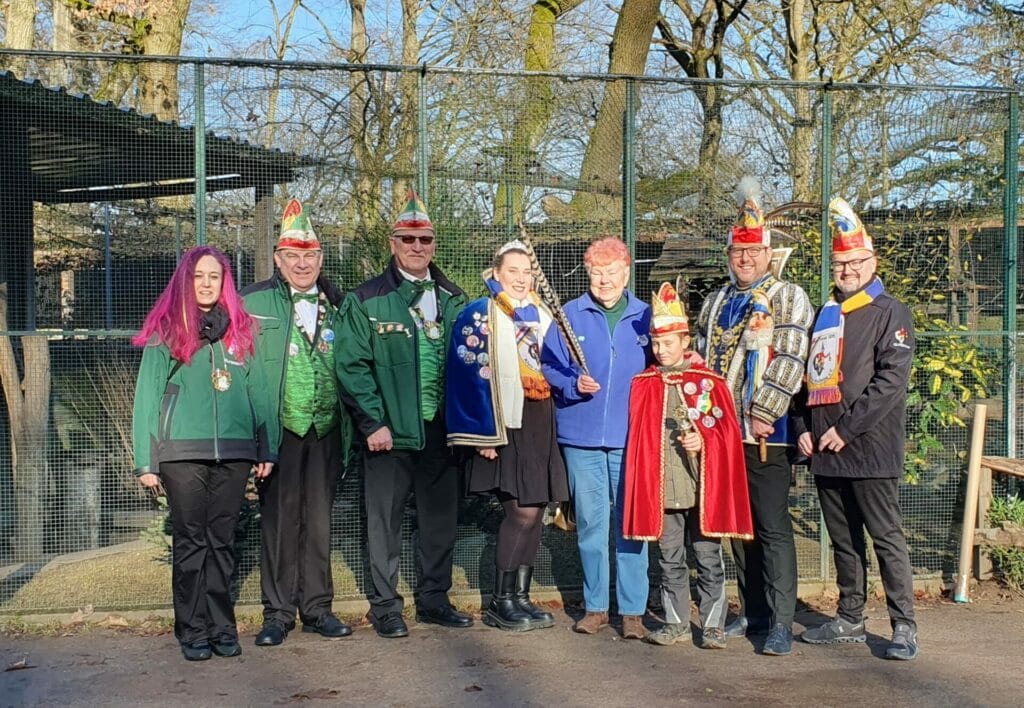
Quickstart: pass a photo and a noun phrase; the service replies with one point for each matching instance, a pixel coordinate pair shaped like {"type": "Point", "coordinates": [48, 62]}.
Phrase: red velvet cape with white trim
{"type": "Point", "coordinates": [724, 499]}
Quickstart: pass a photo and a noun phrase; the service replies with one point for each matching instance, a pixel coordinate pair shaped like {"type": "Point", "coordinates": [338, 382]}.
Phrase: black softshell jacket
{"type": "Point", "coordinates": [871, 418]}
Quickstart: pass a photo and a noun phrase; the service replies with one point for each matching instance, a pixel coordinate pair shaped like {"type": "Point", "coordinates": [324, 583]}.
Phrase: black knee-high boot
{"type": "Point", "coordinates": [540, 618]}
{"type": "Point", "coordinates": [503, 612]}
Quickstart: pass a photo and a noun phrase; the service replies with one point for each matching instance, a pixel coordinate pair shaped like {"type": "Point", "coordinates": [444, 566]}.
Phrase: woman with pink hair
{"type": "Point", "coordinates": [198, 430]}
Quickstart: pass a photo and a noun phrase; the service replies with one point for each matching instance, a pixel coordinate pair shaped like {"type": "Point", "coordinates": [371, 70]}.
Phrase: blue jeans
{"type": "Point", "coordinates": [596, 479]}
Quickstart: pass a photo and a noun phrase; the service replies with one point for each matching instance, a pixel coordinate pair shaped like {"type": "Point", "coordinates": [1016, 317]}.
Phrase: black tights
{"type": "Point", "coordinates": [519, 534]}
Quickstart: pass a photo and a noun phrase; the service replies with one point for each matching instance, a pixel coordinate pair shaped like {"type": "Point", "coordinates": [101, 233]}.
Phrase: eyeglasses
{"type": "Point", "coordinates": [609, 273]}
{"type": "Point", "coordinates": [854, 265]}
{"type": "Point", "coordinates": [304, 256]}
{"type": "Point", "coordinates": [752, 252]}
{"type": "Point", "coordinates": [410, 240]}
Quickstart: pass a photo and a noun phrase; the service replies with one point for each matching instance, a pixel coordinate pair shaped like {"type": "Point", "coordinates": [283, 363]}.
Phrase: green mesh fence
{"type": "Point", "coordinates": [100, 196]}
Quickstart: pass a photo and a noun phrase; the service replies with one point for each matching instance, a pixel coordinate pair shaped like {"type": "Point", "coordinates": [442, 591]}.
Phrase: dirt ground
{"type": "Point", "coordinates": [971, 655]}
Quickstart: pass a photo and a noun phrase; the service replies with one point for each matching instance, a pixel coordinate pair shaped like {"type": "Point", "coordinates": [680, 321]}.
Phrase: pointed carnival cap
{"type": "Point", "coordinates": [296, 231]}
{"type": "Point", "coordinates": [848, 233]}
{"type": "Point", "coordinates": [668, 314]}
{"type": "Point", "coordinates": [413, 219]}
{"type": "Point", "coordinates": [749, 229]}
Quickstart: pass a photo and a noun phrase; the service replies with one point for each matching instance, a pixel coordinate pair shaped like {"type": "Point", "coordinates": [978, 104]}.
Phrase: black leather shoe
{"type": "Point", "coordinates": [446, 616]}
{"type": "Point", "coordinates": [225, 647]}
{"type": "Point", "coordinates": [743, 626]}
{"type": "Point", "coordinates": [197, 651]}
{"type": "Point", "coordinates": [272, 634]}
{"type": "Point", "coordinates": [327, 625]}
{"type": "Point", "coordinates": [391, 626]}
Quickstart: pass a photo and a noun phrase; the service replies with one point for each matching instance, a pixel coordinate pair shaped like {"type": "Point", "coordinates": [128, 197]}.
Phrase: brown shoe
{"type": "Point", "coordinates": [632, 627]}
{"type": "Point", "coordinates": [592, 623]}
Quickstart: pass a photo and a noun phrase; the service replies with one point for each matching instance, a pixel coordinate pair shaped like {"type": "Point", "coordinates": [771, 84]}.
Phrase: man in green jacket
{"type": "Point", "coordinates": [391, 369]}
{"type": "Point", "coordinates": [297, 310]}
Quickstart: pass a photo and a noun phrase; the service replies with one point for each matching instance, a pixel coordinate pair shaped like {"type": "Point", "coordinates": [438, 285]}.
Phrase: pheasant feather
{"type": "Point", "coordinates": [553, 302]}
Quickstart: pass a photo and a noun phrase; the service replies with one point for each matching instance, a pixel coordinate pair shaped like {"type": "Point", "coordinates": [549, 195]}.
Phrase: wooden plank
{"type": "Point", "coordinates": [1005, 465]}
{"type": "Point", "coordinates": [999, 537]}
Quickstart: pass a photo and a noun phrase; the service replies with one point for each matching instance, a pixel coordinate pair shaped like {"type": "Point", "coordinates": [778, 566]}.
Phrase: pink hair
{"type": "Point", "coordinates": [174, 319]}
{"type": "Point", "coordinates": [606, 250]}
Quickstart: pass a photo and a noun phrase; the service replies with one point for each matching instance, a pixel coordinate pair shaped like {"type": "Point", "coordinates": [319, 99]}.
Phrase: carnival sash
{"type": "Point", "coordinates": [826, 353]}
{"type": "Point", "coordinates": [526, 320]}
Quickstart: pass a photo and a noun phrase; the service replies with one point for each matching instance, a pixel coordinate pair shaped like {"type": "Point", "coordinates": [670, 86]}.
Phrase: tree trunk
{"type": "Point", "coordinates": [28, 409]}
{"type": "Point", "coordinates": [800, 145]}
{"type": "Point", "coordinates": [408, 108]}
{"type": "Point", "coordinates": [158, 81]}
{"type": "Point", "coordinates": [602, 162]}
{"type": "Point", "coordinates": [367, 182]}
{"type": "Point", "coordinates": [21, 32]}
{"type": "Point", "coordinates": [532, 120]}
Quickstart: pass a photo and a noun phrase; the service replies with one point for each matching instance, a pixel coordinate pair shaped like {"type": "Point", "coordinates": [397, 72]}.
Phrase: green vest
{"type": "Point", "coordinates": [311, 389]}
{"type": "Point", "coordinates": [431, 352]}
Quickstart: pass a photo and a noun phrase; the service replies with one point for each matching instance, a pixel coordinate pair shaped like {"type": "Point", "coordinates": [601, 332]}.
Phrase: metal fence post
{"type": "Point", "coordinates": [510, 216]}
{"type": "Point", "coordinates": [199, 132]}
{"type": "Point", "coordinates": [1010, 237]}
{"type": "Point", "coordinates": [826, 272]}
{"type": "Point", "coordinates": [108, 265]}
{"type": "Point", "coordinates": [422, 152]}
{"type": "Point", "coordinates": [629, 176]}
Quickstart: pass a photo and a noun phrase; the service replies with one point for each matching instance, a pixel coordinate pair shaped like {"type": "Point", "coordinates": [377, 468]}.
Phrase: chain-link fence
{"type": "Point", "coordinates": [106, 180]}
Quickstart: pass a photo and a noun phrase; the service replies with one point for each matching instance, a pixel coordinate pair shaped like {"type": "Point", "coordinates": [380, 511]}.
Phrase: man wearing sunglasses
{"type": "Point", "coordinates": [396, 332]}
{"type": "Point", "coordinates": [854, 432]}
{"type": "Point", "coordinates": [754, 332]}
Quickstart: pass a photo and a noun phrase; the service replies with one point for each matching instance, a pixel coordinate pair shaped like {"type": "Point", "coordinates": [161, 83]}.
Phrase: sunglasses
{"type": "Point", "coordinates": [409, 240]}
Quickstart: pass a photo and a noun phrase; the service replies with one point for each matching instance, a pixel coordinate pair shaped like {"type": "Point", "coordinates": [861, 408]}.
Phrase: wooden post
{"type": "Point", "coordinates": [983, 559]}
{"type": "Point", "coordinates": [963, 577]}
{"type": "Point", "coordinates": [264, 240]}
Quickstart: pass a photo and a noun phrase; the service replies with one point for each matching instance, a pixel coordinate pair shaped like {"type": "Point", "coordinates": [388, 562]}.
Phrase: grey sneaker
{"type": "Point", "coordinates": [714, 638]}
{"type": "Point", "coordinates": [669, 634]}
{"type": "Point", "coordinates": [903, 646]}
{"type": "Point", "coordinates": [838, 631]}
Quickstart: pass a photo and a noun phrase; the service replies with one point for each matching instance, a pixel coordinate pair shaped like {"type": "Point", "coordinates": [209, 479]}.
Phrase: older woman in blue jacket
{"type": "Point", "coordinates": [590, 410]}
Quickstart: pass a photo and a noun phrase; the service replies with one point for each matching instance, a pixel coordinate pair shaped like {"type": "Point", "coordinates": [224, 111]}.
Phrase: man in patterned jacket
{"type": "Point", "coordinates": [754, 332]}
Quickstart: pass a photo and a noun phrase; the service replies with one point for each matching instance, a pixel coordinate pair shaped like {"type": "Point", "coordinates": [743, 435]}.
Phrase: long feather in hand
{"type": "Point", "coordinates": [553, 302]}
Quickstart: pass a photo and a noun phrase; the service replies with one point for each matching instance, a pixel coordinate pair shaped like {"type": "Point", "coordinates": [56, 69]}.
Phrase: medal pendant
{"type": "Point", "coordinates": [221, 380]}
{"type": "Point", "coordinates": [432, 330]}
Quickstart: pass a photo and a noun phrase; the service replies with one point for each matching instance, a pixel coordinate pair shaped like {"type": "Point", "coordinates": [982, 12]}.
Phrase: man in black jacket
{"type": "Point", "coordinates": [853, 430]}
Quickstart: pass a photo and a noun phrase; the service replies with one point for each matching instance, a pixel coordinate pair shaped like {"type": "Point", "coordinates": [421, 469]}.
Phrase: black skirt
{"type": "Point", "coordinates": [530, 468]}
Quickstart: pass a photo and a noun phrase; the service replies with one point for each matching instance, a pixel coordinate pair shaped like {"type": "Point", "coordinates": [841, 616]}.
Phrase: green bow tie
{"type": "Point", "coordinates": [427, 285]}
{"type": "Point", "coordinates": [305, 297]}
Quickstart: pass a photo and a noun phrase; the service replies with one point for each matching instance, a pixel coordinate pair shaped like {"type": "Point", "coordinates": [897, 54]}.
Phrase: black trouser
{"type": "Point", "coordinates": [204, 499]}
{"type": "Point", "coordinates": [766, 566]}
{"type": "Point", "coordinates": [389, 477]}
{"type": "Point", "coordinates": [295, 509]}
{"type": "Point", "coordinates": [849, 506]}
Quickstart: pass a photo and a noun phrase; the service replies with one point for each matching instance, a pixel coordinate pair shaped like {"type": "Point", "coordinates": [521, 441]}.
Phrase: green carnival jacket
{"type": "Point", "coordinates": [178, 415]}
{"type": "Point", "coordinates": [270, 302]}
{"type": "Point", "coordinates": [378, 363]}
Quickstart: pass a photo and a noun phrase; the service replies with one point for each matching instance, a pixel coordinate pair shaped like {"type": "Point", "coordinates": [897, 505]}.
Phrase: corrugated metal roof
{"type": "Point", "coordinates": [81, 150]}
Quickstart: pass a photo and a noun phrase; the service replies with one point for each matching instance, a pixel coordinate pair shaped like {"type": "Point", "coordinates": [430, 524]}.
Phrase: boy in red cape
{"type": "Point", "coordinates": [684, 472]}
